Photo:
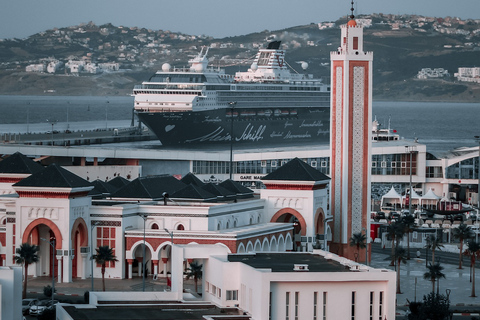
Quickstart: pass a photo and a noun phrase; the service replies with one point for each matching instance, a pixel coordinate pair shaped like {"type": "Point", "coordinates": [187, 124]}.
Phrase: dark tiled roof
{"type": "Point", "coordinates": [235, 187]}
{"type": "Point", "coordinates": [284, 262]}
{"type": "Point", "coordinates": [190, 178]}
{"type": "Point", "coordinates": [18, 163]}
{"type": "Point", "coordinates": [219, 191]}
{"type": "Point", "coordinates": [54, 177]}
{"type": "Point", "coordinates": [151, 187]}
{"type": "Point", "coordinates": [118, 182]}
{"type": "Point", "coordinates": [296, 170]}
{"type": "Point", "coordinates": [193, 192]}
{"type": "Point", "coordinates": [101, 188]}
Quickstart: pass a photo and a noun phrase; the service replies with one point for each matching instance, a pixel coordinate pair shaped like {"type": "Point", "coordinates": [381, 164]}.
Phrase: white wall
{"type": "Point", "coordinates": [11, 293]}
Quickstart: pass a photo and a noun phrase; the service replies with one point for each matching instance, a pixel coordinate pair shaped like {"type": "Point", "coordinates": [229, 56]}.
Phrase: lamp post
{"type": "Point", "coordinates": [106, 117]}
{"type": "Point", "coordinates": [366, 245]}
{"type": "Point", "coordinates": [28, 117]}
{"type": "Point", "coordinates": [52, 243]}
{"type": "Point", "coordinates": [52, 122]}
{"type": "Point", "coordinates": [411, 150]}
{"type": "Point", "coordinates": [477, 138]}
{"type": "Point", "coordinates": [170, 234]}
{"type": "Point", "coordinates": [232, 107]}
{"type": "Point", "coordinates": [68, 123]}
{"type": "Point", "coordinates": [144, 217]}
{"type": "Point", "coordinates": [91, 245]}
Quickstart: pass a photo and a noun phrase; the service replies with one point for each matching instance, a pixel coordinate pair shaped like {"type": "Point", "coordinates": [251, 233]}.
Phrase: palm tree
{"type": "Point", "coordinates": [433, 243]}
{"type": "Point", "coordinates": [462, 232]}
{"type": "Point", "coordinates": [195, 272]}
{"type": "Point", "coordinates": [26, 255]}
{"type": "Point", "coordinates": [473, 251]}
{"type": "Point", "coordinates": [408, 222]}
{"type": "Point", "coordinates": [433, 274]}
{"type": "Point", "coordinates": [104, 255]}
{"type": "Point", "coordinates": [399, 257]}
{"type": "Point", "coordinates": [358, 239]}
{"type": "Point", "coordinates": [395, 232]}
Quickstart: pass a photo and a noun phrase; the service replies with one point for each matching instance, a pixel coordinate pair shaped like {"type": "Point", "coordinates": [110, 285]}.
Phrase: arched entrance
{"type": "Point", "coordinates": [141, 264]}
{"type": "Point", "coordinates": [42, 232]}
{"type": "Point", "coordinates": [79, 239]}
{"type": "Point", "coordinates": [289, 215]}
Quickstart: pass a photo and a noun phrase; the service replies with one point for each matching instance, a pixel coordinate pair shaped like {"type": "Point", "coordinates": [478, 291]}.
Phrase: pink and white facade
{"type": "Point", "coordinates": [351, 113]}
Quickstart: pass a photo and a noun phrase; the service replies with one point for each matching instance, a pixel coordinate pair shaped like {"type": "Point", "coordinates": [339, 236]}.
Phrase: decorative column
{"type": "Point", "coordinates": [59, 268]}
{"type": "Point", "coordinates": [140, 266]}
{"type": "Point", "coordinates": [155, 267]}
{"type": "Point", "coordinates": [130, 272]}
{"type": "Point", "coordinates": [165, 264]}
{"type": "Point", "coordinates": [84, 263]}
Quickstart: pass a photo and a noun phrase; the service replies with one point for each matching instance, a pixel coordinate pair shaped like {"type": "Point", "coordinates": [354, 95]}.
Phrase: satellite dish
{"type": "Point", "coordinates": [304, 65]}
{"type": "Point", "coordinates": [254, 66]}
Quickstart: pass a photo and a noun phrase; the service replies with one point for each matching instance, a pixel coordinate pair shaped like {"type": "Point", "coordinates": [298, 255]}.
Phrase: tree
{"type": "Point", "coordinates": [473, 251]}
{"type": "Point", "coordinates": [195, 272]}
{"type": "Point", "coordinates": [104, 255]}
{"type": "Point", "coordinates": [358, 240]}
{"type": "Point", "coordinates": [433, 243]}
{"type": "Point", "coordinates": [399, 257]}
{"type": "Point", "coordinates": [26, 255]}
{"type": "Point", "coordinates": [434, 307]}
{"type": "Point", "coordinates": [433, 274]}
{"type": "Point", "coordinates": [462, 232]}
{"type": "Point", "coordinates": [395, 232]}
{"type": "Point", "coordinates": [408, 222]}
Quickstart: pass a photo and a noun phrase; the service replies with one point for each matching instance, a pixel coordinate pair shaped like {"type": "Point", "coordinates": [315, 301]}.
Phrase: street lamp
{"type": "Point", "coordinates": [144, 217]}
{"type": "Point", "coordinates": [411, 150]}
{"type": "Point", "coordinates": [91, 245]}
{"type": "Point", "coordinates": [366, 245]}
{"type": "Point", "coordinates": [106, 115]}
{"type": "Point", "coordinates": [28, 117]}
{"type": "Point", "coordinates": [52, 122]}
{"type": "Point", "coordinates": [232, 107]}
{"type": "Point", "coordinates": [170, 234]}
{"type": "Point", "coordinates": [52, 243]}
{"type": "Point", "coordinates": [477, 138]}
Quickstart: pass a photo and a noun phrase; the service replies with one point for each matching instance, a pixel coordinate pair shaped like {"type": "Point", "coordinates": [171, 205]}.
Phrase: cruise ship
{"type": "Point", "coordinates": [264, 106]}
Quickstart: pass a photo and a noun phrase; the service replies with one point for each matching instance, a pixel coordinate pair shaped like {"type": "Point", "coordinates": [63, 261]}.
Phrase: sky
{"type": "Point", "coordinates": [216, 18]}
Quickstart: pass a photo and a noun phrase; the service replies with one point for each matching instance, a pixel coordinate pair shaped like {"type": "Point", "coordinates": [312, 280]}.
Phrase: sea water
{"type": "Point", "coordinates": [441, 126]}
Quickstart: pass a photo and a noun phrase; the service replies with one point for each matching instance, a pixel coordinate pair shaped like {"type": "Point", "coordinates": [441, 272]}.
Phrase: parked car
{"type": "Point", "coordinates": [39, 308]}
{"type": "Point", "coordinates": [27, 303]}
{"type": "Point", "coordinates": [380, 215]}
{"type": "Point", "coordinates": [394, 215]}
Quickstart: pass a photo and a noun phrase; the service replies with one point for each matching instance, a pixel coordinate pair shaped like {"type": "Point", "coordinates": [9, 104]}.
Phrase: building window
{"type": "Point", "coordinates": [323, 164]}
{"type": "Point", "coordinates": [287, 305]}
{"type": "Point", "coordinates": [353, 305]}
{"type": "Point", "coordinates": [324, 305]}
{"type": "Point", "coordinates": [296, 305]}
{"type": "Point", "coordinates": [180, 227]}
{"type": "Point", "coordinates": [232, 295]}
{"type": "Point", "coordinates": [106, 237]}
{"type": "Point", "coordinates": [273, 164]}
{"type": "Point", "coordinates": [371, 305]}
{"type": "Point", "coordinates": [263, 163]}
{"type": "Point", "coordinates": [315, 301]}
{"type": "Point", "coordinates": [355, 43]}
{"type": "Point", "coordinates": [155, 226]}
{"type": "Point", "coordinates": [380, 306]}
{"type": "Point", "coordinates": [313, 164]}
{"type": "Point", "coordinates": [394, 164]}
{"type": "Point", "coordinates": [270, 306]}
{"type": "Point", "coordinates": [384, 164]}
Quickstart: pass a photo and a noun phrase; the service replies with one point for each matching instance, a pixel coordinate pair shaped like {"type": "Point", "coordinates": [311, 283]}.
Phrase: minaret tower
{"type": "Point", "coordinates": [350, 159]}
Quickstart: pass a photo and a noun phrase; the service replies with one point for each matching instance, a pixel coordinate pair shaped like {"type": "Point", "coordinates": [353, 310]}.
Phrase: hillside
{"type": "Point", "coordinates": [402, 46]}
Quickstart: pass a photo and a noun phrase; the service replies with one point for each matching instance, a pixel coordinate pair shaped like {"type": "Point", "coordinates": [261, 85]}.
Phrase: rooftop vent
{"type": "Point", "coordinates": [300, 267]}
